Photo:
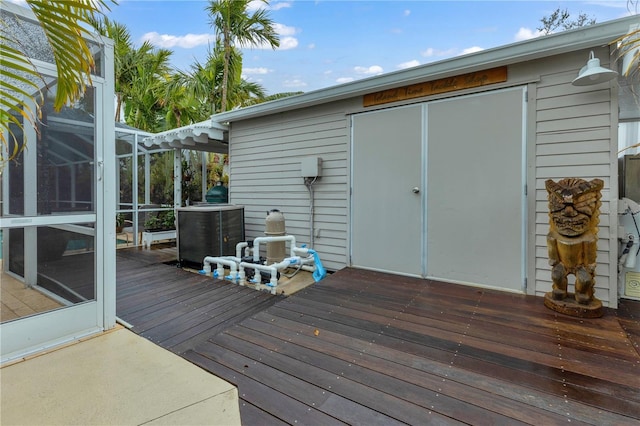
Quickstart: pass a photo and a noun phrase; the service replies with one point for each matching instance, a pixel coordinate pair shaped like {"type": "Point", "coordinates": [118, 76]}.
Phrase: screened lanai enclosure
{"type": "Point", "coordinates": [160, 172]}
{"type": "Point", "coordinates": [67, 179]}
{"type": "Point", "coordinates": [57, 270]}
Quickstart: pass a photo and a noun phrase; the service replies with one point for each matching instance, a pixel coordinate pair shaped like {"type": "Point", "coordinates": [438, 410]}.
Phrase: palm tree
{"type": "Point", "coordinates": [126, 58]}
{"type": "Point", "coordinates": [246, 93]}
{"type": "Point", "coordinates": [144, 103]}
{"type": "Point", "coordinates": [180, 106]}
{"type": "Point", "coordinates": [204, 82]}
{"type": "Point", "coordinates": [234, 26]}
{"type": "Point", "coordinates": [140, 74]}
{"type": "Point", "coordinates": [65, 25]}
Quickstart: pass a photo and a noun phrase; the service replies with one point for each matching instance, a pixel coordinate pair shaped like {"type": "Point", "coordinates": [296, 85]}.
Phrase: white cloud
{"type": "Point", "coordinates": [344, 80]}
{"type": "Point", "coordinates": [311, 46]}
{"type": "Point", "coordinates": [255, 5]}
{"type": "Point", "coordinates": [473, 49]}
{"type": "Point", "coordinates": [284, 30]}
{"type": "Point", "coordinates": [526, 34]}
{"type": "Point", "coordinates": [259, 4]}
{"type": "Point", "coordinates": [187, 41]}
{"type": "Point", "coordinates": [409, 64]}
{"type": "Point", "coordinates": [431, 52]}
{"type": "Point", "coordinates": [372, 70]}
{"type": "Point", "coordinates": [294, 84]}
{"type": "Point", "coordinates": [287, 43]}
{"type": "Point", "coordinates": [279, 5]}
{"type": "Point", "coordinates": [286, 33]}
{"type": "Point", "coordinates": [254, 71]}
{"type": "Point", "coordinates": [407, 12]}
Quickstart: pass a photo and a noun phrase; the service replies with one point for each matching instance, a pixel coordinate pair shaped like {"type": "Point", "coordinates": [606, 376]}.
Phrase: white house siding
{"type": "Point", "coordinates": [575, 137]}
{"type": "Point", "coordinates": [572, 133]}
{"type": "Point", "coordinates": [265, 156]}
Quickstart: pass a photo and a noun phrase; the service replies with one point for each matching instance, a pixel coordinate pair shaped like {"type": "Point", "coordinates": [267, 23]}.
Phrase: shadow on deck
{"type": "Point", "coordinates": [370, 348]}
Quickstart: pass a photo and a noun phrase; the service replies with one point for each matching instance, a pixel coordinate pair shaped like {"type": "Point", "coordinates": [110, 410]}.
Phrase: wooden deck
{"type": "Point", "coordinates": [174, 308]}
{"type": "Point", "coordinates": [369, 348]}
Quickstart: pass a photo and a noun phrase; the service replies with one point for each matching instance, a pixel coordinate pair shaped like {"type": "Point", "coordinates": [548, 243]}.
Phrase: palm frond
{"type": "Point", "coordinates": [65, 25]}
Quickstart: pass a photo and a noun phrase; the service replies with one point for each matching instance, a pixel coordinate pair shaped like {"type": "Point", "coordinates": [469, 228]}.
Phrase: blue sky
{"type": "Point", "coordinates": [328, 42]}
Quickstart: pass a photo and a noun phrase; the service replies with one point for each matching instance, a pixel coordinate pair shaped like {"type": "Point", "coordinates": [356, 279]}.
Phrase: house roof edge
{"type": "Point", "coordinates": [540, 47]}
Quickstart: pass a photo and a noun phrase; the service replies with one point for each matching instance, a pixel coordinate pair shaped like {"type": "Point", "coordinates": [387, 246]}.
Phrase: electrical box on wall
{"type": "Point", "coordinates": [311, 167]}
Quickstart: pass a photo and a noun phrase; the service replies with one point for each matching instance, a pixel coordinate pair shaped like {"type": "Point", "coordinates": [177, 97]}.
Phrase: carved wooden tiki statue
{"type": "Point", "coordinates": [574, 209]}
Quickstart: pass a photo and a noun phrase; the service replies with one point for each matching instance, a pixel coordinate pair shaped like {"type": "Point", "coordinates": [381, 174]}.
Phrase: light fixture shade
{"type": "Point", "coordinates": [593, 73]}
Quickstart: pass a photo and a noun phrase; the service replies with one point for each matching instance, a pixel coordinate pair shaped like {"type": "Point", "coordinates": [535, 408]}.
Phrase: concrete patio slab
{"type": "Point", "coordinates": [116, 378]}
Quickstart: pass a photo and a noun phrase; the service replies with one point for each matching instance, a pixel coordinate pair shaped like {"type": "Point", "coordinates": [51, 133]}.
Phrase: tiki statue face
{"type": "Point", "coordinates": [574, 205]}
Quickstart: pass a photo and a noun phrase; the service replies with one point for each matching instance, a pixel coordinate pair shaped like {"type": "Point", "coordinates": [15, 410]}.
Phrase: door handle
{"type": "Point", "coordinates": [416, 190]}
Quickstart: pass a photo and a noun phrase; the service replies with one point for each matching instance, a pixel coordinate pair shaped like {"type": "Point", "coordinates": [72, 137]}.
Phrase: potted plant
{"type": "Point", "coordinates": [161, 221]}
{"type": "Point", "coordinates": [153, 223]}
{"type": "Point", "coordinates": [119, 222]}
{"type": "Point", "coordinates": [169, 220]}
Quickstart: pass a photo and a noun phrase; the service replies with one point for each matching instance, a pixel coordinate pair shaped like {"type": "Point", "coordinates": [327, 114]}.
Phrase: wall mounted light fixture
{"type": "Point", "coordinates": [593, 73]}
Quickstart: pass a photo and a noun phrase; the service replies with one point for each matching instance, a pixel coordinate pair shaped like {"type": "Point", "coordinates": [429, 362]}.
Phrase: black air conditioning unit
{"type": "Point", "coordinates": [208, 230]}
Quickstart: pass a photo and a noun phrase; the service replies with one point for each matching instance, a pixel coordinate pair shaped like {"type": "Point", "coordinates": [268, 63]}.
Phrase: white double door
{"type": "Point", "coordinates": [438, 190]}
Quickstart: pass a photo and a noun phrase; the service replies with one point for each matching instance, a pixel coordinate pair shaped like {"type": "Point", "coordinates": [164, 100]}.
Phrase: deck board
{"type": "Point", "coordinates": [362, 347]}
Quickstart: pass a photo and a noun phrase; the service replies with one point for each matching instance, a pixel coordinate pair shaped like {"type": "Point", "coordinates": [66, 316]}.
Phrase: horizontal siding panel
{"type": "Point", "coordinates": [293, 214]}
{"type": "Point", "coordinates": [329, 166]}
{"type": "Point", "coordinates": [302, 212]}
{"type": "Point", "coordinates": [284, 140]}
{"type": "Point", "coordinates": [291, 122]}
{"type": "Point", "coordinates": [261, 155]}
{"type": "Point", "coordinates": [258, 185]}
{"type": "Point", "coordinates": [574, 159]}
{"type": "Point", "coordinates": [269, 148]}
{"type": "Point", "coordinates": [590, 122]}
{"type": "Point", "coordinates": [583, 172]}
{"type": "Point", "coordinates": [569, 100]}
{"type": "Point", "coordinates": [588, 146]}
{"type": "Point", "coordinates": [573, 111]}
{"type": "Point", "coordinates": [573, 135]}
{"type": "Point", "coordinates": [291, 130]}
{"type": "Point", "coordinates": [320, 196]}
{"type": "Point", "coordinates": [559, 85]}
{"type": "Point", "coordinates": [294, 119]}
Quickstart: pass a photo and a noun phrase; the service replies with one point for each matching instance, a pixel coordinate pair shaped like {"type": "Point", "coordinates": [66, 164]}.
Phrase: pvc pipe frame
{"type": "Point", "coordinates": [258, 240]}
{"type": "Point", "coordinates": [237, 267]}
{"type": "Point", "coordinates": [272, 269]}
{"type": "Point", "coordinates": [221, 262]}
